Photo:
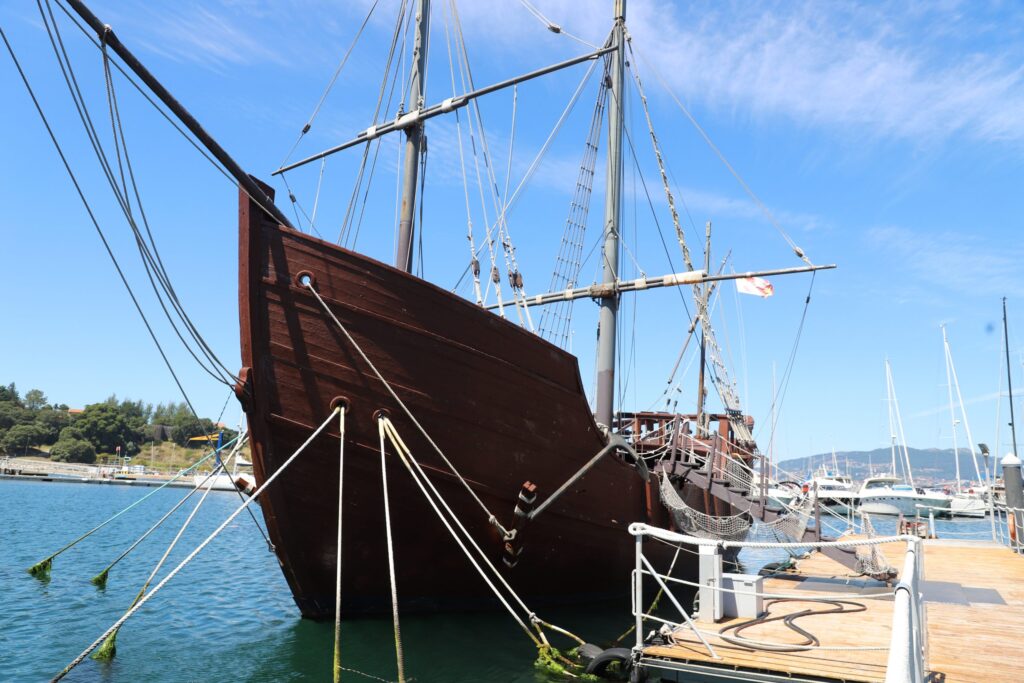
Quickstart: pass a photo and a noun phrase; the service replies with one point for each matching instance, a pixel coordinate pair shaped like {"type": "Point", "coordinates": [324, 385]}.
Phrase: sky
{"type": "Point", "coordinates": [883, 137]}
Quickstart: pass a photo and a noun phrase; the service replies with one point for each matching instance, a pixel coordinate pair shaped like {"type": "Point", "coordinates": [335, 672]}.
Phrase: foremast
{"type": "Point", "coordinates": [606, 326]}
{"type": "Point", "coordinates": [413, 139]}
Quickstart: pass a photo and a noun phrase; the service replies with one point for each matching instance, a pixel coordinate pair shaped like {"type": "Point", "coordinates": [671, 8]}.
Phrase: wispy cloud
{"type": "Point", "coordinates": [886, 72]}
{"type": "Point", "coordinates": [937, 410]}
{"type": "Point", "coordinates": [953, 261]}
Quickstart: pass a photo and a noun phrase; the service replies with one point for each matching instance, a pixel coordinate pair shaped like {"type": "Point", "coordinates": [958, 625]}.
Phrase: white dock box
{"type": "Point", "coordinates": [746, 601]}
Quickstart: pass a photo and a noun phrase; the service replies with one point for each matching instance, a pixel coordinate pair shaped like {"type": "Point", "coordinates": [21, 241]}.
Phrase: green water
{"type": "Point", "coordinates": [227, 616]}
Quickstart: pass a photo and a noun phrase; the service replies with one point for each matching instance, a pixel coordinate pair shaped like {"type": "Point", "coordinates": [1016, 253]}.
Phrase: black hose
{"type": "Point", "coordinates": [810, 640]}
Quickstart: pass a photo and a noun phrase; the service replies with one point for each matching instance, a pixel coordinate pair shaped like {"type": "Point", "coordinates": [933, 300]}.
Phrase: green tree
{"type": "Point", "coordinates": [106, 428]}
{"type": "Point", "coordinates": [19, 438]}
{"type": "Point", "coordinates": [73, 450]}
{"type": "Point", "coordinates": [9, 394]}
{"type": "Point", "coordinates": [34, 399]}
{"type": "Point", "coordinates": [71, 432]}
{"type": "Point", "coordinates": [52, 422]}
{"type": "Point", "coordinates": [170, 413]}
{"type": "Point", "coordinates": [12, 413]}
{"type": "Point", "coordinates": [186, 426]}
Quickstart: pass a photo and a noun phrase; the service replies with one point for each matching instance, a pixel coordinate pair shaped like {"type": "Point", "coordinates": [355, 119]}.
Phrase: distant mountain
{"type": "Point", "coordinates": [930, 465]}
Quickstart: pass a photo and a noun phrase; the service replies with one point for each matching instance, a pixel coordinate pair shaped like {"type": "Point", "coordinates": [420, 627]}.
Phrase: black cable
{"type": "Point", "coordinates": [789, 620]}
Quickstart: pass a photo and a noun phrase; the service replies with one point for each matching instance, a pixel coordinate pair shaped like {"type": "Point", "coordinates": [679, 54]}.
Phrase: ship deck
{"type": "Point", "coordinates": [974, 599]}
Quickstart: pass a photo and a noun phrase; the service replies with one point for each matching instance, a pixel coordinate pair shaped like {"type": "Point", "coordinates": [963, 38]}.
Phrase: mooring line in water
{"type": "Point", "coordinates": [41, 569]}
{"type": "Point", "coordinates": [410, 462]}
{"type": "Point", "coordinates": [399, 657]}
{"type": "Point", "coordinates": [108, 650]}
{"type": "Point", "coordinates": [337, 580]}
{"type": "Point", "coordinates": [181, 565]}
{"type": "Point", "coordinates": [100, 579]}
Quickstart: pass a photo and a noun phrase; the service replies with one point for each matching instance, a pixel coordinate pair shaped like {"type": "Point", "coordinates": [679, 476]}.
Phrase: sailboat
{"type": "Point", "coordinates": [496, 414]}
{"type": "Point", "coordinates": [968, 503]}
{"type": "Point", "coordinates": [889, 494]}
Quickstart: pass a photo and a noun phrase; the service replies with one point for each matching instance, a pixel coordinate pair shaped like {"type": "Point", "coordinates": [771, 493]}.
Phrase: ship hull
{"type": "Point", "coordinates": [503, 405]}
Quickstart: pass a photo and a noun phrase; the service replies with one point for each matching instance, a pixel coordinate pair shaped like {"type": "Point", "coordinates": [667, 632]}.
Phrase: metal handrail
{"type": "Point", "coordinates": [908, 646]}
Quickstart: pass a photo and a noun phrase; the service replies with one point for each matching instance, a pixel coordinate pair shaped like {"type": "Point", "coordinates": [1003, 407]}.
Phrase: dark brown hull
{"type": "Point", "coordinates": [504, 405]}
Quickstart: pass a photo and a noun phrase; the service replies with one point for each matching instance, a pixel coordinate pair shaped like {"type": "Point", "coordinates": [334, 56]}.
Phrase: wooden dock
{"type": "Point", "coordinates": [974, 602]}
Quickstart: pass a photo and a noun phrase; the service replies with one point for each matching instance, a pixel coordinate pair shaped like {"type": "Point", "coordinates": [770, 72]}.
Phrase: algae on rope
{"type": "Point", "coordinates": [41, 570]}
{"type": "Point", "coordinates": [106, 651]}
{"type": "Point", "coordinates": [100, 580]}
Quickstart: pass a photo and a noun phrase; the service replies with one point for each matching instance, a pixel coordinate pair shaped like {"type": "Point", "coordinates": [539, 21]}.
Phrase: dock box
{"type": "Point", "coordinates": [746, 601]}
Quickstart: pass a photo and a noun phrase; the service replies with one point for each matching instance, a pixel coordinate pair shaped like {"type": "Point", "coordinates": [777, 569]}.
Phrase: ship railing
{"type": "Point", "coordinates": [1008, 526]}
{"type": "Point", "coordinates": [907, 660]}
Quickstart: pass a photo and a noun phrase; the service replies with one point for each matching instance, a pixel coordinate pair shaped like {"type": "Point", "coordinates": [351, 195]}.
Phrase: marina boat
{"type": "Point", "coordinates": [964, 503]}
{"type": "Point", "coordinates": [494, 411]}
{"type": "Point", "coordinates": [887, 495]}
{"type": "Point", "coordinates": [833, 489]}
{"type": "Point", "coordinates": [237, 480]}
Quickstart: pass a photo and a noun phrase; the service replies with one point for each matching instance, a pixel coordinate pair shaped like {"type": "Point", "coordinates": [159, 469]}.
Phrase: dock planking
{"type": "Point", "coordinates": [974, 602]}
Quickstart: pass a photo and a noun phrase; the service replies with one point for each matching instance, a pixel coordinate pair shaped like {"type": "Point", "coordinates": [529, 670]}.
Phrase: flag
{"type": "Point", "coordinates": [755, 285]}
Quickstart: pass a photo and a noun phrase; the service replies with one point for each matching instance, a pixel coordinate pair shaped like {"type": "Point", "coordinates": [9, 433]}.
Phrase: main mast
{"type": "Point", "coordinates": [612, 212]}
{"type": "Point", "coordinates": [413, 139]}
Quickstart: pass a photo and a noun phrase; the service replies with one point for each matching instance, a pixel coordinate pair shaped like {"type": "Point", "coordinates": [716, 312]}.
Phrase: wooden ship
{"type": "Point", "coordinates": [505, 406]}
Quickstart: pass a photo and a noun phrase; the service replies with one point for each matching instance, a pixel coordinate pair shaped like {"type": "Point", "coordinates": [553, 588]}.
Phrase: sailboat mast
{"type": "Point", "coordinates": [606, 326]}
{"type": "Point", "coordinates": [413, 139]}
{"type": "Point", "coordinates": [1009, 377]}
{"type": "Point", "coordinates": [952, 411]}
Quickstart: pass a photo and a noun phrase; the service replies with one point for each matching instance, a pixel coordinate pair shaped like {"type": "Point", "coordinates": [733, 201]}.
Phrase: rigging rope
{"type": "Point", "coordinates": [491, 518]}
{"type": "Point", "coordinates": [552, 26]}
{"type": "Point", "coordinates": [330, 84]}
{"type": "Point", "coordinates": [735, 174]}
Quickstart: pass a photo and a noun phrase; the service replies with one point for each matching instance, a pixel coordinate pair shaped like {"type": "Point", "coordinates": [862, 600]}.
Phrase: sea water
{"type": "Point", "coordinates": [228, 616]}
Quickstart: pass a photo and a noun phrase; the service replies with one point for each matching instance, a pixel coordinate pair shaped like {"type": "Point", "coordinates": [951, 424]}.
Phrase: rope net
{"type": "Point", "coordinates": [870, 560]}
{"type": "Point", "coordinates": [739, 527]}
{"type": "Point", "coordinates": [696, 523]}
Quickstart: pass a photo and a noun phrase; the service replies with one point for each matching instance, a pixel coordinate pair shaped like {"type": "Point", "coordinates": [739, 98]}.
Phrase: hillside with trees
{"type": "Point", "coordinates": [32, 425]}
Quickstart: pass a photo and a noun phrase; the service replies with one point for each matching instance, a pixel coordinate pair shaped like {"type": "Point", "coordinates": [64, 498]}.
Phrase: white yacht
{"type": "Point", "coordinates": [887, 495]}
{"type": "Point", "coordinates": [834, 490]}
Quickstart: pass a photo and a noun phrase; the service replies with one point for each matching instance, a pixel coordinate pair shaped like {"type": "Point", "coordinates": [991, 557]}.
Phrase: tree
{"type": "Point", "coordinates": [52, 422]}
{"type": "Point", "coordinates": [20, 437]}
{"type": "Point", "coordinates": [186, 426]}
{"type": "Point", "coordinates": [106, 428]}
{"type": "Point", "coordinates": [9, 394]}
{"type": "Point", "coordinates": [169, 414]}
{"type": "Point", "coordinates": [13, 414]}
{"type": "Point", "coordinates": [73, 450]}
{"type": "Point", "coordinates": [34, 399]}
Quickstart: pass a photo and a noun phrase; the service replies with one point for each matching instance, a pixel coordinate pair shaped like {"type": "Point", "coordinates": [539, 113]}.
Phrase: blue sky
{"type": "Point", "coordinates": [884, 137]}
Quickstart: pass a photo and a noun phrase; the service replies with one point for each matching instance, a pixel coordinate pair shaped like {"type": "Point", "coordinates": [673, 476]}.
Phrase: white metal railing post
{"type": "Point", "coordinates": [931, 523]}
{"type": "Point", "coordinates": [638, 594]}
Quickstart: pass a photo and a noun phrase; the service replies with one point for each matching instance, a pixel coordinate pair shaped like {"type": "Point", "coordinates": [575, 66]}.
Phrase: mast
{"type": "Point", "coordinates": [952, 412]}
{"type": "Point", "coordinates": [606, 326]}
{"type": "Point", "coordinates": [413, 139]}
{"type": "Point", "coordinates": [703, 334]}
{"type": "Point", "coordinates": [1009, 377]}
{"type": "Point", "coordinates": [892, 427]}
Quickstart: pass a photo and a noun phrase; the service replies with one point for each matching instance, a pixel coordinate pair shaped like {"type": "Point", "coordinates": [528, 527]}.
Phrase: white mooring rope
{"type": "Point", "coordinates": [181, 565]}
{"type": "Point", "coordinates": [391, 559]}
{"type": "Point", "coordinates": [337, 579]}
